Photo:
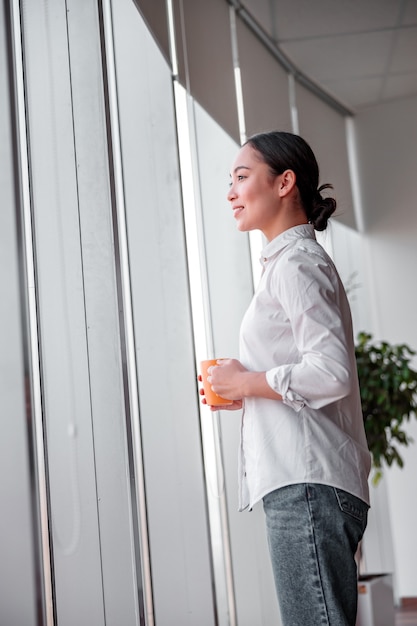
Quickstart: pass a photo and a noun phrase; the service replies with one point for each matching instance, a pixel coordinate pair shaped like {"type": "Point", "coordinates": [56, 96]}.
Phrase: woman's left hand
{"type": "Point", "coordinates": [230, 379]}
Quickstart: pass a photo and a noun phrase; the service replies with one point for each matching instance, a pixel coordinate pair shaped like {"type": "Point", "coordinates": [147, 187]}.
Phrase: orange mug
{"type": "Point", "coordinates": [212, 398]}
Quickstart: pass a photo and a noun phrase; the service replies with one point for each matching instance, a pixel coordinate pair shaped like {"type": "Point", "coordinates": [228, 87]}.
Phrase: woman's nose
{"type": "Point", "coordinates": [231, 193]}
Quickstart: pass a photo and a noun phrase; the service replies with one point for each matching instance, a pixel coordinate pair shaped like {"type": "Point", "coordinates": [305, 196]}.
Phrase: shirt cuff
{"type": "Point", "coordinates": [279, 380]}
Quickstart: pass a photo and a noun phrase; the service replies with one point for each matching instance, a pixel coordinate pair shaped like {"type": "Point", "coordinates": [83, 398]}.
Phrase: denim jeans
{"type": "Point", "coordinates": [313, 534]}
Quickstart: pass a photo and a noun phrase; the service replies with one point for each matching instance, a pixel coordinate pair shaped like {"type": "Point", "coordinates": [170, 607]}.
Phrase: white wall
{"type": "Point", "coordinates": [387, 150]}
{"type": "Point", "coordinates": [350, 250]}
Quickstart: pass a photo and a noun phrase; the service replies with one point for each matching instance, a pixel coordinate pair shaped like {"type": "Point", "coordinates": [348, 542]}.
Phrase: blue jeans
{"type": "Point", "coordinates": [313, 534]}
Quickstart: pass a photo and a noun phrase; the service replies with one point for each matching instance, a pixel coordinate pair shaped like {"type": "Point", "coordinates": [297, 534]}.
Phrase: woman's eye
{"type": "Point", "coordinates": [239, 178]}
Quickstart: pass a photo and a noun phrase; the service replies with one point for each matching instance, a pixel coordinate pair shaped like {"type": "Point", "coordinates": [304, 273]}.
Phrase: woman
{"type": "Point", "coordinates": [303, 447]}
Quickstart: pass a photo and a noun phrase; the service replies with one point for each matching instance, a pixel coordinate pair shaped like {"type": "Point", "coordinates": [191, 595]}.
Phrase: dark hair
{"type": "Point", "coordinates": [282, 151]}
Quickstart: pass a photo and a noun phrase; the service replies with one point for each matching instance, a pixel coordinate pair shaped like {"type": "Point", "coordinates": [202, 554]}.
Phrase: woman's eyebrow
{"type": "Point", "coordinates": [240, 167]}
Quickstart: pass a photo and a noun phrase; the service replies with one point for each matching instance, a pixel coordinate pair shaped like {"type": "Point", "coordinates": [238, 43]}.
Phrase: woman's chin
{"type": "Point", "coordinates": [242, 226]}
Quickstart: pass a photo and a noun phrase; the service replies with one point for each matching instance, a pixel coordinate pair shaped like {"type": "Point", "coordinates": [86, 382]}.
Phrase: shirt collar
{"type": "Point", "coordinates": [302, 231]}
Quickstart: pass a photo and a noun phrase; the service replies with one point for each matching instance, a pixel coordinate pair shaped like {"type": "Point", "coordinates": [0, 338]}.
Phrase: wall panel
{"type": "Point", "coordinates": [205, 61]}
{"type": "Point", "coordinates": [154, 13]}
{"type": "Point", "coordinates": [325, 130]}
{"type": "Point", "coordinates": [65, 370]}
{"type": "Point", "coordinates": [90, 521]}
{"type": "Point", "coordinates": [264, 85]}
{"type": "Point", "coordinates": [168, 400]}
{"type": "Point", "coordinates": [105, 361]}
{"type": "Point", "coordinates": [230, 291]}
{"type": "Point", "coordinates": [18, 540]}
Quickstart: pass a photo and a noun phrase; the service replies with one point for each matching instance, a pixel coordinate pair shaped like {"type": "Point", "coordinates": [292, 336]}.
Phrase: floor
{"type": "Point", "coordinates": [407, 614]}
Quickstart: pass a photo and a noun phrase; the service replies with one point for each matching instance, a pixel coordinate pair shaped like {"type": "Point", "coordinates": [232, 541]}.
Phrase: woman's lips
{"type": "Point", "coordinates": [237, 210]}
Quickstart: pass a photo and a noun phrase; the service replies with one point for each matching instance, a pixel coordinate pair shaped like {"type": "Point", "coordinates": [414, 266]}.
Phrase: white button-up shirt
{"type": "Point", "coordinates": [298, 329]}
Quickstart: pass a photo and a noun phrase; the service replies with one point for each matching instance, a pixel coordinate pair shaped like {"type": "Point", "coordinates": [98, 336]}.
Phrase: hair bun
{"type": "Point", "coordinates": [323, 208]}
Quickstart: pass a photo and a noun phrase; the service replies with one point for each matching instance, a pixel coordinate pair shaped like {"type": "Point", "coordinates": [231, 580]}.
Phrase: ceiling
{"type": "Point", "coordinates": [361, 52]}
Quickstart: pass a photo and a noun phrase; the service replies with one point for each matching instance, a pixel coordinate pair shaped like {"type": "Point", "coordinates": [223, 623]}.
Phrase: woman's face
{"type": "Point", "coordinates": [253, 193]}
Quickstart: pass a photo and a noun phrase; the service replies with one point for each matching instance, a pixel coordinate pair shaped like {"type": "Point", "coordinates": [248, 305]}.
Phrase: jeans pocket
{"type": "Point", "coordinates": [351, 505]}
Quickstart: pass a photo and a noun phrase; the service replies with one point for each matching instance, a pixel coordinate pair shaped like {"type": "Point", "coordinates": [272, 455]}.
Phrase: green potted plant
{"type": "Point", "coordinates": [388, 387]}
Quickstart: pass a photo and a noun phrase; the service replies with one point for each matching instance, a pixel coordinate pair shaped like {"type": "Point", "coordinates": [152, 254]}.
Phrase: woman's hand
{"type": "Point", "coordinates": [230, 379]}
{"type": "Point", "coordinates": [227, 379]}
{"type": "Point", "coordinates": [236, 404]}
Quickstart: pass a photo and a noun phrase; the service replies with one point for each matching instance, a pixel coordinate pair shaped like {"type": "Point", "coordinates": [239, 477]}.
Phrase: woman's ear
{"type": "Point", "coordinates": [286, 183]}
